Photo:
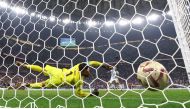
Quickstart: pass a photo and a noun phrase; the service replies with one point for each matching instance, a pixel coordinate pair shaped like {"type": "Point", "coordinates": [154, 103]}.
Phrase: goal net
{"type": "Point", "coordinates": [118, 33]}
{"type": "Point", "coordinates": [180, 10]}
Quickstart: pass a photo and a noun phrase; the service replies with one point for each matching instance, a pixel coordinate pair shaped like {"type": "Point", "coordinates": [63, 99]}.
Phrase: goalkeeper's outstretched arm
{"type": "Point", "coordinates": [32, 67]}
{"type": "Point", "coordinates": [79, 91]}
{"type": "Point", "coordinates": [98, 64]}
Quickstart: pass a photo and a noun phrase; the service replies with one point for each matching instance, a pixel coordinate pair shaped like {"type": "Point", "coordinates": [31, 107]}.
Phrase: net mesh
{"type": "Point", "coordinates": [120, 33]}
{"type": "Point", "coordinates": [180, 13]}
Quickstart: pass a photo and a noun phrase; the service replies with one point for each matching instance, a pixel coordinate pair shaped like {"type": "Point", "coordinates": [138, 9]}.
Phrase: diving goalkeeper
{"type": "Point", "coordinates": [72, 76]}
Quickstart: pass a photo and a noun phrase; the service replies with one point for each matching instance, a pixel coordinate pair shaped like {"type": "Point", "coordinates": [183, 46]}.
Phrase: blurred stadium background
{"type": "Point", "coordinates": [62, 33]}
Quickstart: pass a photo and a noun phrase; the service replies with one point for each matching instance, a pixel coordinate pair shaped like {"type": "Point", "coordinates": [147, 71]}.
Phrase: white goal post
{"type": "Point", "coordinates": [180, 14]}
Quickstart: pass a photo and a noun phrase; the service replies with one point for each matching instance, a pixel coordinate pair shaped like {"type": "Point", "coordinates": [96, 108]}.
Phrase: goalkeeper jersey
{"type": "Point", "coordinates": [70, 76]}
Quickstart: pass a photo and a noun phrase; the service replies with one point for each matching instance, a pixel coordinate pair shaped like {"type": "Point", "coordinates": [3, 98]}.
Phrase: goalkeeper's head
{"type": "Point", "coordinates": [84, 69]}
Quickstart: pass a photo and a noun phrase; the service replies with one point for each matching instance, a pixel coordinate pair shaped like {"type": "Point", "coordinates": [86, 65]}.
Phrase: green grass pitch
{"type": "Point", "coordinates": [113, 99]}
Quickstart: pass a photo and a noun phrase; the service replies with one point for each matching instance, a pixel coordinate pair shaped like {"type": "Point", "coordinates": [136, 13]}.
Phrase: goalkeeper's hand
{"type": "Point", "coordinates": [95, 92]}
{"type": "Point", "coordinates": [19, 63]}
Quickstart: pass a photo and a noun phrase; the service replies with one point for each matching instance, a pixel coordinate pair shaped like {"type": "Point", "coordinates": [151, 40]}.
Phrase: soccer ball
{"type": "Point", "coordinates": [153, 75]}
